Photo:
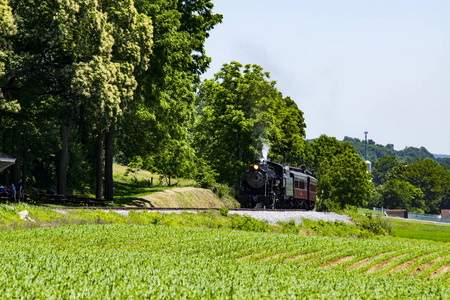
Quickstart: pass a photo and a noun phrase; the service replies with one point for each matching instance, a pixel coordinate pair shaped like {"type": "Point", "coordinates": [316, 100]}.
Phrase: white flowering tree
{"type": "Point", "coordinates": [76, 55]}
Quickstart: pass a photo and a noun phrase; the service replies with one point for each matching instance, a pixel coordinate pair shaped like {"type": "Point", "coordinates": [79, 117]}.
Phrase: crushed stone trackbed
{"type": "Point", "coordinates": [273, 217]}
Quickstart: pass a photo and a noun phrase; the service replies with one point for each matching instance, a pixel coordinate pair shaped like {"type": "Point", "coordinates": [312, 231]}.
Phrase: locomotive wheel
{"type": "Point", "coordinates": [301, 204]}
{"type": "Point", "coordinates": [307, 204]}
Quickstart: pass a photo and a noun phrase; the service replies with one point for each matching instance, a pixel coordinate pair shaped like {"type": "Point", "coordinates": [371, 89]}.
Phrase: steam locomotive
{"type": "Point", "coordinates": [272, 185]}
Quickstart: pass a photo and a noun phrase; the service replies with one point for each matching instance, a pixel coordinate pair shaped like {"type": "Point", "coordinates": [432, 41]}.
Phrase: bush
{"type": "Point", "coordinates": [336, 228]}
{"type": "Point", "coordinates": [224, 211]}
{"type": "Point", "coordinates": [374, 224]}
{"type": "Point", "coordinates": [289, 227]}
{"type": "Point", "coordinates": [247, 223]}
{"type": "Point", "coordinates": [205, 176]}
{"type": "Point", "coordinates": [371, 221]}
{"type": "Point", "coordinates": [221, 190]}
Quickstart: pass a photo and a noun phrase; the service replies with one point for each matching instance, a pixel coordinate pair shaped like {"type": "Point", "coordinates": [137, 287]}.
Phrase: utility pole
{"type": "Point", "coordinates": [365, 148]}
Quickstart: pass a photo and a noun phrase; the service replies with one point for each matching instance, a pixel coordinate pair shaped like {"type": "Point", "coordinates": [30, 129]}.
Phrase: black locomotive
{"type": "Point", "coordinates": [272, 185]}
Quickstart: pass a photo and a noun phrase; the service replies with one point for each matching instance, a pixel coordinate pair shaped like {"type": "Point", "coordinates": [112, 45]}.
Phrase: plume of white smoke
{"type": "Point", "coordinates": [265, 151]}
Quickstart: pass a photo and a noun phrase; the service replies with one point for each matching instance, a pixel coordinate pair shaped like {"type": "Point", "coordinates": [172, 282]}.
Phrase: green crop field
{"type": "Point", "coordinates": [162, 262]}
{"type": "Point", "coordinates": [421, 230]}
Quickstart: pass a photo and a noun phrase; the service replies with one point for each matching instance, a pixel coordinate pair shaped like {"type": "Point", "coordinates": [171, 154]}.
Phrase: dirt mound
{"type": "Point", "coordinates": [185, 197]}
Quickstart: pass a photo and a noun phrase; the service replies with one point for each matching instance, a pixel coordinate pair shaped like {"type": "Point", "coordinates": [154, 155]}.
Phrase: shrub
{"type": "Point", "coordinates": [373, 223]}
{"type": "Point", "coordinates": [289, 227]}
{"type": "Point", "coordinates": [247, 223]}
{"type": "Point", "coordinates": [221, 189]}
{"type": "Point", "coordinates": [224, 211]}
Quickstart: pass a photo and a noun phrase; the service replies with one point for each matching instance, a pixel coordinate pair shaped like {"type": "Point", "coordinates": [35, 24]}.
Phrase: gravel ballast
{"type": "Point", "coordinates": [272, 217]}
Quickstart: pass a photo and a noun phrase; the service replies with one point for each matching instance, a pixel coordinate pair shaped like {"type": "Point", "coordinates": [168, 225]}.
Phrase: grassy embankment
{"type": "Point", "coordinates": [365, 225]}
{"type": "Point", "coordinates": [145, 189]}
{"type": "Point", "coordinates": [39, 216]}
{"type": "Point", "coordinates": [136, 190]}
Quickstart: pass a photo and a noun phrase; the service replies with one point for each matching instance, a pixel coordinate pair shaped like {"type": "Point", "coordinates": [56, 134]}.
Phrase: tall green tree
{"type": "Point", "coordinates": [163, 109]}
{"type": "Point", "coordinates": [323, 149]}
{"type": "Point", "coordinates": [70, 56]}
{"type": "Point", "coordinates": [342, 174]}
{"type": "Point", "coordinates": [239, 113]}
{"type": "Point", "coordinates": [430, 177]}
{"type": "Point", "coordinates": [398, 194]}
{"type": "Point", "coordinates": [382, 168]}
{"type": "Point", "coordinates": [7, 29]}
{"type": "Point", "coordinates": [287, 141]}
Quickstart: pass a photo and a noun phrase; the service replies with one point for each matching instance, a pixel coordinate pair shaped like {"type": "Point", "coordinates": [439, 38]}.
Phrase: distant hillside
{"type": "Point", "coordinates": [439, 156]}
{"type": "Point", "coordinates": [375, 151]}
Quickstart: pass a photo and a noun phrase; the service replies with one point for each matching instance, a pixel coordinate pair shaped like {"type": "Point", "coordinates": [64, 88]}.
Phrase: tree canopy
{"type": "Point", "coordinates": [422, 186]}
{"type": "Point", "coordinates": [78, 68]}
{"type": "Point", "coordinates": [343, 179]}
{"type": "Point", "coordinates": [382, 168]}
{"type": "Point", "coordinates": [163, 110]}
{"type": "Point", "coordinates": [240, 112]}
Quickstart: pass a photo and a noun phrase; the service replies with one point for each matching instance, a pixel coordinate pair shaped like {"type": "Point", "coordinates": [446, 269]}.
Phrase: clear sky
{"type": "Point", "coordinates": [351, 66]}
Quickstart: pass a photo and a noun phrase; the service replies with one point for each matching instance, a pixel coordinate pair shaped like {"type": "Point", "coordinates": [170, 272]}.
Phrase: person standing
{"type": "Point", "coordinates": [19, 191]}
{"type": "Point", "coordinates": [13, 192]}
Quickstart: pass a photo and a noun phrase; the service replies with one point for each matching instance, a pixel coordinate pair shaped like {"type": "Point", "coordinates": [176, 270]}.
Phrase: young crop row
{"type": "Point", "coordinates": [127, 261]}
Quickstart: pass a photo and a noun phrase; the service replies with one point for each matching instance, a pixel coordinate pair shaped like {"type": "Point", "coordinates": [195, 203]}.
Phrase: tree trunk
{"type": "Point", "coordinates": [99, 166]}
{"type": "Point", "coordinates": [5, 172]}
{"type": "Point", "coordinates": [24, 169]}
{"type": "Point", "coordinates": [109, 152]}
{"type": "Point", "coordinates": [15, 169]}
{"type": "Point", "coordinates": [5, 176]}
{"type": "Point", "coordinates": [83, 127]}
{"type": "Point", "coordinates": [63, 160]}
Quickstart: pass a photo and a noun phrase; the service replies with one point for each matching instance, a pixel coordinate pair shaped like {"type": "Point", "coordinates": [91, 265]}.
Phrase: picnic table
{"type": "Point", "coordinates": [79, 200]}
{"type": "Point", "coordinates": [52, 198]}
{"type": "Point", "coordinates": [4, 196]}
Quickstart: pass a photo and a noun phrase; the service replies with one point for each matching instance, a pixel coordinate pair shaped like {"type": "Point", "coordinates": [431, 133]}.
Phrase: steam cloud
{"type": "Point", "coordinates": [265, 151]}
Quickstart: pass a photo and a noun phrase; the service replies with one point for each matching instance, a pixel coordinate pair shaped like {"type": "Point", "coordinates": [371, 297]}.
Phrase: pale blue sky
{"type": "Point", "coordinates": [351, 66]}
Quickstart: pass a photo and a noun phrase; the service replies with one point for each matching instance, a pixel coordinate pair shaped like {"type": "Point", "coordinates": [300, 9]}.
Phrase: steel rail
{"type": "Point", "coordinates": [156, 209]}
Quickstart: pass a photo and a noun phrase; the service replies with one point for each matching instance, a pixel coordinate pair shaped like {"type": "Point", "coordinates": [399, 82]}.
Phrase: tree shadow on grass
{"type": "Point", "coordinates": [131, 194]}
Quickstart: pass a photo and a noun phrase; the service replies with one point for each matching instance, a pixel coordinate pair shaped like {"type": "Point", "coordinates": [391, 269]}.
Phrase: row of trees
{"type": "Point", "coordinates": [422, 185]}
{"type": "Point", "coordinates": [240, 112]}
{"type": "Point", "coordinates": [79, 77]}
{"type": "Point", "coordinates": [86, 81]}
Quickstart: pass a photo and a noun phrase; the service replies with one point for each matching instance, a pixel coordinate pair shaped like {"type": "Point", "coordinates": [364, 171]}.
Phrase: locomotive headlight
{"type": "Point", "coordinates": [256, 167]}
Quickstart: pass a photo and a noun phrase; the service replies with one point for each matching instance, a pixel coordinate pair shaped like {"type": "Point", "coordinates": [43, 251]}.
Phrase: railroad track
{"type": "Point", "coordinates": [169, 209]}
{"type": "Point", "coordinates": [272, 216]}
